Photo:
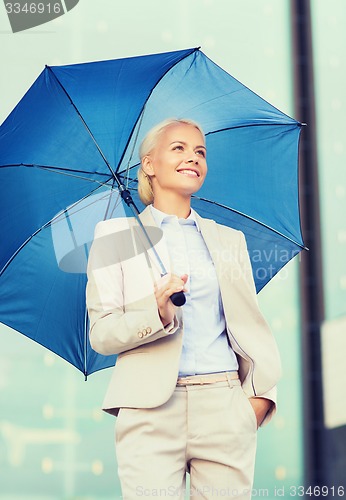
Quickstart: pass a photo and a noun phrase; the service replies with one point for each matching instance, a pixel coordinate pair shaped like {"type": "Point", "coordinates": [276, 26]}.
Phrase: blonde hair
{"type": "Point", "coordinates": [149, 142]}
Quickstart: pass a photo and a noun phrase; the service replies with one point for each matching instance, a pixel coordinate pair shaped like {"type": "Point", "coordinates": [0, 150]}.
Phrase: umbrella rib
{"type": "Point", "coordinates": [48, 223]}
{"type": "Point", "coordinates": [65, 171]}
{"type": "Point", "coordinates": [127, 170]}
{"type": "Point", "coordinates": [297, 124]}
{"type": "Point", "coordinates": [303, 247]}
{"type": "Point", "coordinates": [250, 89]}
{"type": "Point", "coordinates": [84, 123]}
{"type": "Point", "coordinates": [196, 49]}
{"type": "Point", "coordinates": [61, 171]}
{"type": "Point", "coordinates": [247, 216]}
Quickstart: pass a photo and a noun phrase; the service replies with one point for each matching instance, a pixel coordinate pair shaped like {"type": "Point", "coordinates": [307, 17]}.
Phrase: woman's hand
{"type": "Point", "coordinates": [260, 406]}
{"type": "Point", "coordinates": [167, 285]}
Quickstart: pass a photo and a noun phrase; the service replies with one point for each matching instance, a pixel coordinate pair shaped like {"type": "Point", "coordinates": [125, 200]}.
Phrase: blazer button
{"type": "Point", "coordinates": [140, 335]}
{"type": "Point", "coordinates": [148, 330]}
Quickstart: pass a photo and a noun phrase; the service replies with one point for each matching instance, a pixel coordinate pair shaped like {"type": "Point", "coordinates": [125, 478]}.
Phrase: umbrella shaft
{"type": "Point", "coordinates": [126, 196]}
{"type": "Point", "coordinates": [178, 298]}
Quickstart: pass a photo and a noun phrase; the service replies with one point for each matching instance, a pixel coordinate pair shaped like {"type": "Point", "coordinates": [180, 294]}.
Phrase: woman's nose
{"type": "Point", "coordinates": [192, 158]}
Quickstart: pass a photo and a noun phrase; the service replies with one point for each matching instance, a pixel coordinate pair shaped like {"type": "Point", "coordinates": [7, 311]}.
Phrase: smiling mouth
{"type": "Point", "coordinates": [188, 172]}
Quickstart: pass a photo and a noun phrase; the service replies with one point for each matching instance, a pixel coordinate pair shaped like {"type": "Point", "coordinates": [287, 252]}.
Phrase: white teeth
{"type": "Point", "coordinates": [188, 172]}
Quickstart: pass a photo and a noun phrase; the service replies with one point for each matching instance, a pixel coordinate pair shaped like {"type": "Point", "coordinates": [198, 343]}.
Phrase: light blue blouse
{"type": "Point", "coordinates": [205, 345]}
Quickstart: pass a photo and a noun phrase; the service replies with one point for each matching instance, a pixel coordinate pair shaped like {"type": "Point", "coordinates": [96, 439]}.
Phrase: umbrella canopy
{"type": "Point", "coordinates": [78, 127]}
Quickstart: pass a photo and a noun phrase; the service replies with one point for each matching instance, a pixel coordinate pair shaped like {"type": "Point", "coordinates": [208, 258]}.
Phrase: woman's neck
{"type": "Point", "coordinates": [173, 205]}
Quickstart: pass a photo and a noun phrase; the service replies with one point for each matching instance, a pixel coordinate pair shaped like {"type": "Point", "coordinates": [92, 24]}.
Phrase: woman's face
{"type": "Point", "coordinates": [178, 161]}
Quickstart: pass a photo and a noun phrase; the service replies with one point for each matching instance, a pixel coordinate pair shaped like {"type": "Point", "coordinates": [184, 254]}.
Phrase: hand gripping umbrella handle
{"type": "Point", "coordinates": [178, 298]}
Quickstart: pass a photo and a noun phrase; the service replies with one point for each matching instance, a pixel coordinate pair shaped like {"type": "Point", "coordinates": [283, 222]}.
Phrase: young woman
{"type": "Point", "coordinates": [192, 384]}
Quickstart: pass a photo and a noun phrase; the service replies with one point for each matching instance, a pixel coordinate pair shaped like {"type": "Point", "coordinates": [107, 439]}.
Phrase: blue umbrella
{"type": "Point", "coordinates": [70, 147]}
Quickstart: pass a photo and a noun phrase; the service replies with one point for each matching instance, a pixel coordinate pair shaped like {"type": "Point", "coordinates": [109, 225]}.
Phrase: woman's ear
{"type": "Point", "coordinates": [147, 166]}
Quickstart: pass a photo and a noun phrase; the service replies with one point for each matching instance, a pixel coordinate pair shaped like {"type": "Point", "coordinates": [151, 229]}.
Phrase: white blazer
{"type": "Point", "coordinates": [124, 317]}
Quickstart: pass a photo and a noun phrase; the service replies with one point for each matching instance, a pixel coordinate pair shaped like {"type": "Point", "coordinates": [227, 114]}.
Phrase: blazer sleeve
{"type": "Point", "coordinates": [248, 274]}
{"type": "Point", "coordinates": [116, 327]}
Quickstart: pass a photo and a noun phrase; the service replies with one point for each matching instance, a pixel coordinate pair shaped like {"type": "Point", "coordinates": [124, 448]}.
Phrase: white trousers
{"type": "Point", "coordinates": [208, 430]}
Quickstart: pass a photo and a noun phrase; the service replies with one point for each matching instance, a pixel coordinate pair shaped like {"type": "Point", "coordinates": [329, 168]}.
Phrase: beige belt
{"type": "Point", "coordinates": [207, 378]}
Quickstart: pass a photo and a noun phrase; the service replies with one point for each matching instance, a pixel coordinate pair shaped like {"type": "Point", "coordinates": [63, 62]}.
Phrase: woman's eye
{"type": "Point", "coordinates": [179, 147]}
{"type": "Point", "coordinates": [201, 152]}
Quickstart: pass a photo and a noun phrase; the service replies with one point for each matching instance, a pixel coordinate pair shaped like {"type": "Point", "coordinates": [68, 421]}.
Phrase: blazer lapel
{"type": "Point", "coordinates": [222, 257]}
{"type": "Point", "coordinates": [148, 222]}
{"type": "Point", "coordinates": [211, 237]}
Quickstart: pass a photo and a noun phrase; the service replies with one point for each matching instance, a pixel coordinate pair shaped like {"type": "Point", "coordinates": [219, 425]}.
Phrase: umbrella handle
{"type": "Point", "coordinates": [178, 298]}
